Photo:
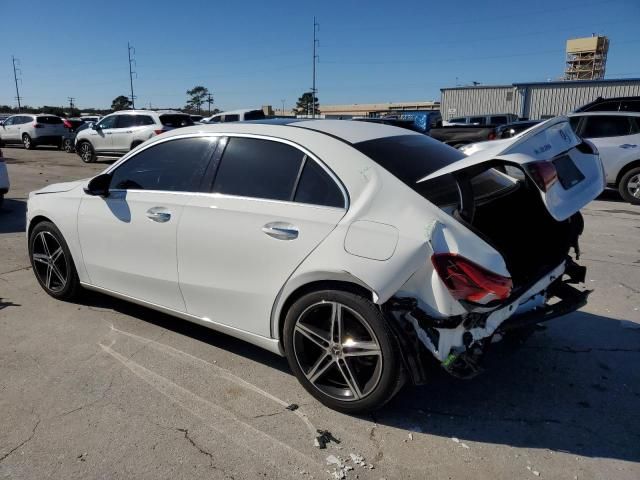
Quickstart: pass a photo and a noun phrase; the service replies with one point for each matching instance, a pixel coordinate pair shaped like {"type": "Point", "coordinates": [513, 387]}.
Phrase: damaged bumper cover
{"type": "Point", "coordinates": [459, 342]}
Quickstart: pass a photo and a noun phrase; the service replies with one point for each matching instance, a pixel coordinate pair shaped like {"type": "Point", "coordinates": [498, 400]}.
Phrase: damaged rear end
{"type": "Point", "coordinates": [504, 258]}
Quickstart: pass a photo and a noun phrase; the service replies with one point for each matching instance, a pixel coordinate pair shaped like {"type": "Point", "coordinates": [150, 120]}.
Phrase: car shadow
{"type": "Point", "coordinates": [13, 215]}
{"type": "Point", "coordinates": [563, 391]}
{"type": "Point", "coordinates": [611, 195]}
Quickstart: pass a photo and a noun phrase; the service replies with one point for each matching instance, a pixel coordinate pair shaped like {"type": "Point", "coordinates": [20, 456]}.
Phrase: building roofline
{"type": "Point", "coordinates": [554, 83]}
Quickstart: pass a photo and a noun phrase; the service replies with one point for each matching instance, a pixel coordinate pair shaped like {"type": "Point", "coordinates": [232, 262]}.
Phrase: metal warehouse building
{"type": "Point", "coordinates": [532, 100]}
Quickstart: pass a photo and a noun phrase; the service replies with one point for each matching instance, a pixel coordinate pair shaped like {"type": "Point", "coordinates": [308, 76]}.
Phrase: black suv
{"type": "Point", "coordinates": [617, 104]}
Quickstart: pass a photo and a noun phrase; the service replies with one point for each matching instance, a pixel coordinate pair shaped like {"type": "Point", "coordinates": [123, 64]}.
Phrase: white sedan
{"type": "Point", "coordinates": [354, 249]}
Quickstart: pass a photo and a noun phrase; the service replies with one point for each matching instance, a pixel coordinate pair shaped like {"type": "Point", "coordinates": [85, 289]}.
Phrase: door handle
{"type": "Point", "coordinates": [158, 214]}
{"type": "Point", "coordinates": [281, 230]}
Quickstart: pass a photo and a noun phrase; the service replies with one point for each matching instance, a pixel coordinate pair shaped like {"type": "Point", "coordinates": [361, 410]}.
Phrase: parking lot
{"type": "Point", "coordinates": [106, 389]}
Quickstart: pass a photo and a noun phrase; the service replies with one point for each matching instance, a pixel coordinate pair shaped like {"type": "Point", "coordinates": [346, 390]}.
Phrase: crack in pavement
{"type": "Point", "coordinates": [91, 403]}
{"type": "Point", "coordinates": [195, 445]}
{"type": "Point", "coordinates": [33, 432]}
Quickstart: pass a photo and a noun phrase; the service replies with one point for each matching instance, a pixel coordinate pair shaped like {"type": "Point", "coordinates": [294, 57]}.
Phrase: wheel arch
{"type": "Point", "coordinates": [35, 221]}
{"type": "Point", "coordinates": [625, 169]}
{"type": "Point", "coordinates": [296, 288]}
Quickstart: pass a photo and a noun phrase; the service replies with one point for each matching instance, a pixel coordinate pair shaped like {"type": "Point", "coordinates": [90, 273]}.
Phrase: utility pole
{"type": "Point", "coordinates": [131, 72]}
{"type": "Point", "coordinates": [15, 79]}
{"type": "Point", "coordinates": [71, 105]}
{"type": "Point", "coordinates": [283, 100]}
{"type": "Point", "coordinates": [316, 43]}
{"type": "Point", "coordinates": [150, 106]}
{"type": "Point", "coordinates": [209, 101]}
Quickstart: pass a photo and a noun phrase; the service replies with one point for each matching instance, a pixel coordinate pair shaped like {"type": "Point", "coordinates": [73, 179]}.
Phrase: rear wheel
{"type": "Point", "coordinates": [67, 145]}
{"type": "Point", "coordinates": [342, 351]}
{"type": "Point", "coordinates": [28, 142]}
{"type": "Point", "coordinates": [87, 154]}
{"type": "Point", "coordinates": [52, 263]}
{"type": "Point", "coordinates": [629, 186]}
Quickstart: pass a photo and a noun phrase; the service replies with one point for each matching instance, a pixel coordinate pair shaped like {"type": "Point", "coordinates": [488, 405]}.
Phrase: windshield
{"type": "Point", "coordinates": [176, 120]}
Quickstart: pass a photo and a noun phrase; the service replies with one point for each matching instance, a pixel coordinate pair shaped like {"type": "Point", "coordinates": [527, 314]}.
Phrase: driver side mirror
{"type": "Point", "coordinates": [99, 186]}
{"type": "Point", "coordinates": [94, 126]}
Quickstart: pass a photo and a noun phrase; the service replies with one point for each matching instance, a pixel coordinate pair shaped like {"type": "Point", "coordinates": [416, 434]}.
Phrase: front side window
{"type": "Point", "coordinates": [499, 120]}
{"type": "Point", "coordinates": [108, 122]}
{"type": "Point", "coordinates": [257, 168]}
{"type": "Point", "coordinates": [175, 166]}
{"type": "Point", "coordinates": [600, 126]}
{"type": "Point", "coordinates": [231, 118]}
{"type": "Point", "coordinates": [630, 106]}
{"type": "Point", "coordinates": [458, 120]}
{"type": "Point", "coordinates": [10, 121]}
{"type": "Point", "coordinates": [478, 120]}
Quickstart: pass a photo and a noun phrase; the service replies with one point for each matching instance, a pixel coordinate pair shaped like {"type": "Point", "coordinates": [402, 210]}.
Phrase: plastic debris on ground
{"type": "Point", "coordinates": [292, 407]}
{"type": "Point", "coordinates": [342, 466]}
{"type": "Point", "coordinates": [324, 437]}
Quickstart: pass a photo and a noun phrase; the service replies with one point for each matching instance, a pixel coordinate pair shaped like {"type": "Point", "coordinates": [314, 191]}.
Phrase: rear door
{"type": "Point", "coordinates": [617, 139]}
{"type": "Point", "coordinates": [270, 206]}
{"type": "Point", "coordinates": [568, 174]}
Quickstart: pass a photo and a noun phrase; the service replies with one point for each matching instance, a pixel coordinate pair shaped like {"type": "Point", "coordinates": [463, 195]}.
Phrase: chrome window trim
{"type": "Point", "coordinates": [218, 136]}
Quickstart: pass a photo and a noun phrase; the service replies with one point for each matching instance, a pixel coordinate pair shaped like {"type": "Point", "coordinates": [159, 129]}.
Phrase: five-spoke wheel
{"type": "Point", "coordinates": [52, 262]}
{"type": "Point", "coordinates": [630, 186]}
{"type": "Point", "coordinates": [340, 348]}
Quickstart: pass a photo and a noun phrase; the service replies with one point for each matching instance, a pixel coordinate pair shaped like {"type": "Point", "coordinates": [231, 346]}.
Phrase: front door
{"type": "Point", "coordinates": [100, 135]}
{"type": "Point", "coordinates": [271, 206]}
{"type": "Point", "coordinates": [128, 238]}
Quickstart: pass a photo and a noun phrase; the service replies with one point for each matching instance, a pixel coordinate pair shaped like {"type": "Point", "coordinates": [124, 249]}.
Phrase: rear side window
{"type": "Point", "coordinates": [142, 120]}
{"type": "Point", "coordinates": [604, 107]}
{"type": "Point", "coordinates": [317, 187]}
{"type": "Point", "coordinates": [176, 166]}
{"type": "Point", "coordinates": [49, 120]}
{"type": "Point", "coordinates": [499, 120]}
{"type": "Point", "coordinates": [254, 115]}
{"type": "Point", "coordinates": [478, 120]}
{"type": "Point", "coordinates": [630, 106]}
{"type": "Point", "coordinates": [574, 121]}
{"type": "Point", "coordinates": [600, 126]}
{"type": "Point", "coordinates": [231, 118]}
{"type": "Point", "coordinates": [126, 121]}
{"type": "Point", "coordinates": [252, 167]}
{"type": "Point", "coordinates": [176, 121]}
{"type": "Point", "coordinates": [215, 120]}
{"type": "Point", "coordinates": [458, 120]}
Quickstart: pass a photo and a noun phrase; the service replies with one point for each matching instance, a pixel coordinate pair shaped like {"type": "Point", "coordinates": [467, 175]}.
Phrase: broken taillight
{"type": "Point", "coordinates": [469, 281]}
{"type": "Point", "coordinates": [543, 173]}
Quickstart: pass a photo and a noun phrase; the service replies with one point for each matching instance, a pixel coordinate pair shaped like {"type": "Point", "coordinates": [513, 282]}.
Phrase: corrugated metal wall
{"type": "Point", "coordinates": [477, 101]}
{"type": "Point", "coordinates": [554, 98]}
{"type": "Point", "coordinates": [559, 99]}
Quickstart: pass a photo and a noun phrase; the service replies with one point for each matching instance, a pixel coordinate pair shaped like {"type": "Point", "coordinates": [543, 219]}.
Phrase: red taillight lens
{"type": "Point", "coordinates": [158, 132]}
{"type": "Point", "coordinates": [492, 136]}
{"type": "Point", "coordinates": [38, 125]}
{"type": "Point", "coordinates": [543, 173]}
{"type": "Point", "coordinates": [469, 281]}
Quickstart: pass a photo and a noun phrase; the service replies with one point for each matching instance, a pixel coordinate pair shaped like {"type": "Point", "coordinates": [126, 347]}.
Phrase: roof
{"type": "Point", "coordinates": [553, 83]}
{"type": "Point", "coordinates": [617, 114]}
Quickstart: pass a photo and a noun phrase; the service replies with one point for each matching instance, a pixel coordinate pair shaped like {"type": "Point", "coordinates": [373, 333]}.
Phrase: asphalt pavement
{"type": "Point", "coordinates": [103, 389]}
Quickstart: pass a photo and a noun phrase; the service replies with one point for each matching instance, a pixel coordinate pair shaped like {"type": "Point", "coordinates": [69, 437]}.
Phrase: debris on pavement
{"type": "Point", "coordinates": [324, 438]}
{"type": "Point", "coordinates": [535, 472]}
{"type": "Point", "coordinates": [292, 407]}
{"type": "Point", "coordinates": [342, 467]}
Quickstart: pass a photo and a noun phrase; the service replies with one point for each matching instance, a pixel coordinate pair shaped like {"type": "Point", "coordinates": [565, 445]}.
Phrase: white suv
{"type": "Point", "coordinates": [617, 137]}
{"type": "Point", "coordinates": [32, 130]}
{"type": "Point", "coordinates": [119, 132]}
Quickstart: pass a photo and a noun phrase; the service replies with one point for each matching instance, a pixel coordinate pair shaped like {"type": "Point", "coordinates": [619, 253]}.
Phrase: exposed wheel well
{"type": "Point", "coordinates": [135, 143]}
{"type": "Point", "coordinates": [625, 169]}
{"type": "Point", "coordinates": [35, 221]}
{"type": "Point", "coordinates": [317, 286]}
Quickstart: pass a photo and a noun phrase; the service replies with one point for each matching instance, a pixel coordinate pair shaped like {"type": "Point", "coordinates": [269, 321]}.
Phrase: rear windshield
{"type": "Point", "coordinates": [49, 120]}
{"type": "Point", "coordinates": [176, 120]}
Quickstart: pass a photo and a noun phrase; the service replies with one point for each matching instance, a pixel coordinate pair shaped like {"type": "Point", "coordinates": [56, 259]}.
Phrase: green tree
{"type": "Point", "coordinates": [198, 95]}
{"type": "Point", "coordinates": [304, 105]}
{"type": "Point", "coordinates": [120, 103]}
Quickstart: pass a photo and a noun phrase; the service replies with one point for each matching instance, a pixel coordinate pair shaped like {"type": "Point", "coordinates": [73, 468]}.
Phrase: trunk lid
{"type": "Point", "coordinates": [567, 171]}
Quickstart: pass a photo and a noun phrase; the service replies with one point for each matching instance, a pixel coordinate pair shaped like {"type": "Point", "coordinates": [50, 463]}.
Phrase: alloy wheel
{"type": "Point", "coordinates": [85, 152]}
{"type": "Point", "coordinates": [67, 145]}
{"type": "Point", "coordinates": [337, 351]}
{"type": "Point", "coordinates": [26, 140]}
{"type": "Point", "coordinates": [633, 186]}
{"type": "Point", "coordinates": [49, 261]}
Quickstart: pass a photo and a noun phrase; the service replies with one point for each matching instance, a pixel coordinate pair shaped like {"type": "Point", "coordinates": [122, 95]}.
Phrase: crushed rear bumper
{"type": "Point", "coordinates": [458, 343]}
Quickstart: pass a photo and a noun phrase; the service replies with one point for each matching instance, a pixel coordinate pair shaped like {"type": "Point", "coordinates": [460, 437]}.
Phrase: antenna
{"type": "Point", "coordinates": [130, 48]}
{"type": "Point", "coordinates": [15, 79]}
{"type": "Point", "coordinates": [316, 43]}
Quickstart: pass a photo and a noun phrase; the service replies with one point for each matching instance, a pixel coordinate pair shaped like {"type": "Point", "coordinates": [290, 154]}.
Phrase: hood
{"type": "Point", "coordinates": [62, 187]}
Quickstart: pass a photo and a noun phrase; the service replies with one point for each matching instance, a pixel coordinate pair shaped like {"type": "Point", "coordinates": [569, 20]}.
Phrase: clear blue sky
{"type": "Point", "coordinates": [252, 53]}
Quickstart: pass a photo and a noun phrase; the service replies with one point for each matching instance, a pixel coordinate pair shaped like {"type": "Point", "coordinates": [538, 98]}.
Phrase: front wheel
{"type": "Point", "coordinates": [27, 142]}
{"type": "Point", "coordinates": [52, 263]}
{"type": "Point", "coordinates": [341, 349]}
{"type": "Point", "coordinates": [629, 186]}
{"type": "Point", "coordinates": [87, 154]}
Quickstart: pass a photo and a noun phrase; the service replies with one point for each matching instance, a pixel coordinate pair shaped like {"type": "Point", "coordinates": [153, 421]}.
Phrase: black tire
{"type": "Point", "coordinates": [383, 369]}
{"type": "Point", "coordinates": [62, 281]}
{"type": "Point", "coordinates": [27, 141]}
{"type": "Point", "coordinates": [1, 200]}
{"type": "Point", "coordinates": [629, 186]}
{"type": "Point", "coordinates": [67, 145]}
{"type": "Point", "coordinates": [135, 144]}
{"type": "Point", "coordinates": [86, 152]}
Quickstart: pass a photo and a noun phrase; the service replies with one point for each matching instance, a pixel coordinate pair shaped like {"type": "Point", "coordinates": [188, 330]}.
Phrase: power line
{"type": "Point", "coordinates": [316, 43]}
{"type": "Point", "coordinates": [131, 72]}
{"type": "Point", "coordinates": [15, 79]}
